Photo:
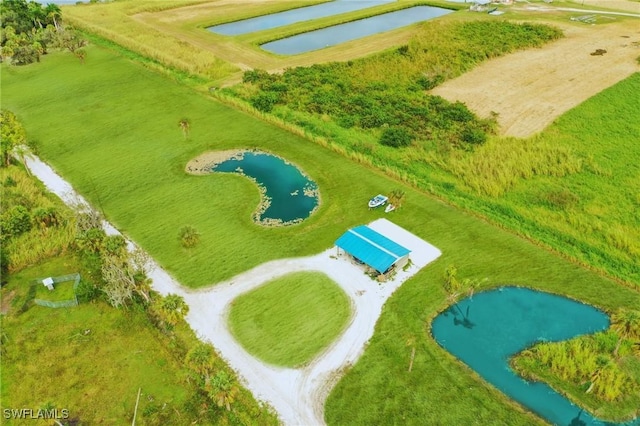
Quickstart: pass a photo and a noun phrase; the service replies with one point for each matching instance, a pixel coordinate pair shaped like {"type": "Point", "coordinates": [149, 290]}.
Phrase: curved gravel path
{"type": "Point", "coordinates": [297, 395]}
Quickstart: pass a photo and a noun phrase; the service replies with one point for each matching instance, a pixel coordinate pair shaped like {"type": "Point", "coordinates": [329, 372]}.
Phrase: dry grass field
{"type": "Point", "coordinates": [530, 89]}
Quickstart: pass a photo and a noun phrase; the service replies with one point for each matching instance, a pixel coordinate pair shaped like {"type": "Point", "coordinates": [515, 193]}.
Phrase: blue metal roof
{"type": "Point", "coordinates": [374, 249]}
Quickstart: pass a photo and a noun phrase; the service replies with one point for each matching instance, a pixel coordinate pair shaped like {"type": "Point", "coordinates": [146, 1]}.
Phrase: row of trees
{"type": "Point", "coordinates": [30, 29]}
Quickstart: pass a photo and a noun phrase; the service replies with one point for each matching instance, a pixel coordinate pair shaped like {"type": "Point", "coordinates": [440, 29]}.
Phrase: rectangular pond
{"type": "Point", "coordinates": [293, 16]}
{"type": "Point", "coordinates": [337, 34]}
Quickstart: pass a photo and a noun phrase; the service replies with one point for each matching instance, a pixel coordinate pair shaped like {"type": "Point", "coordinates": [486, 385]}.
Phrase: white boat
{"type": "Point", "coordinates": [377, 201]}
{"type": "Point", "coordinates": [389, 208]}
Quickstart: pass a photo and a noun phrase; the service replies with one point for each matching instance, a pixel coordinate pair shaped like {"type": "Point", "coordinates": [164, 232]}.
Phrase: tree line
{"type": "Point", "coordinates": [29, 30]}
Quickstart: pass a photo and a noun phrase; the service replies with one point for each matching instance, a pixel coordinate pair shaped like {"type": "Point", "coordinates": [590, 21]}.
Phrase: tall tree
{"type": "Point", "coordinates": [53, 14]}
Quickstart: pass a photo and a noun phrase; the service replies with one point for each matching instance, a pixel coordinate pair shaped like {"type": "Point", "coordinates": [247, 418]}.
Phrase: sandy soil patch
{"type": "Point", "coordinates": [203, 163]}
{"type": "Point", "coordinates": [530, 89]}
{"type": "Point", "coordinates": [298, 395]}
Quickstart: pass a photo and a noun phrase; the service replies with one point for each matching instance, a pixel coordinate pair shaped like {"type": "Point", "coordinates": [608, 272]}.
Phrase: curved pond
{"type": "Point", "coordinates": [293, 16]}
{"type": "Point", "coordinates": [288, 196]}
{"type": "Point", "coordinates": [337, 34]}
{"type": "Point", "coordinates": [485, 331]}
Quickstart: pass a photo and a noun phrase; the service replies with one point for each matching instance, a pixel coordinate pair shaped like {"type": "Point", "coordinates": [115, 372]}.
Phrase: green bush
{"type": "Point", "coordinates": [15, 221]}
{"type": "Point", "coordinates": [87, 291]}
{"type": "Point", "coordinates": [189, 236]}
{"type": "Point", "coordinates": [395, 137]}
{"type": "Point", "coordinates": [265, 101]}
{"type": "Point", "coordinates": [473, 136]}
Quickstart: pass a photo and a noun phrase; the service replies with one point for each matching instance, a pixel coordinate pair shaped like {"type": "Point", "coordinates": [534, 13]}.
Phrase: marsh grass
{"type": "Point", "coordinates": [290, 320]}
{"type": "Point", "coordinates": [585, 370]}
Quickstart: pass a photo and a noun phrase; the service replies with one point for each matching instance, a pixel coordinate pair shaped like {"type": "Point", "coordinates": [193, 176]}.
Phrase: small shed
{"type": "Point", "coordinates": [373, 249]}
{"type": "Point", "coordinates": [48, 283]}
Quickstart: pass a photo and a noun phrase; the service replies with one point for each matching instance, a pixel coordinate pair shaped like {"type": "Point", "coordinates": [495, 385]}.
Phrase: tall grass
{"type": "Point", "coordinates": [114, 22]}
{"type": "Point", "coordinates": [586, 371]}
{"type": "Point", "coordinates": [40, 242]}
{"type": "Point", "coordinates": [501, 163]}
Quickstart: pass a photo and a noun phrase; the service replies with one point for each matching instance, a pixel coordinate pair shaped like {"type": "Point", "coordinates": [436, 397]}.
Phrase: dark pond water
{"type": "Point", "coordinates": [486, 330]}
{"type": "Point", "coordinates": [337, 34]}
{"type": "Point", "coordinates": [288, 196]}
{"type": "Point", "coordinates": [288, 17]}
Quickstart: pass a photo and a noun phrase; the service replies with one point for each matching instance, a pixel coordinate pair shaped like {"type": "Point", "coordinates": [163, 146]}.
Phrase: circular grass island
{"type": "Point", "coordinates": [290, 320]}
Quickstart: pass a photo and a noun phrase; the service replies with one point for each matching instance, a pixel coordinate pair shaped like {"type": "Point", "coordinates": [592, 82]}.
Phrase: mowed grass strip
{"type": "Point", "coordinates": [290, 320]}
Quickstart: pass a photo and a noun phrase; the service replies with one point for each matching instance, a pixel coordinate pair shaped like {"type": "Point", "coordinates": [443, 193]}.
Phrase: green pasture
{"type": "Point", "coordinates": [111, 128]}
{"type": "Point", "coordinates": [290, 320]}
{"type": "Point", "coordinates": [90, 359]}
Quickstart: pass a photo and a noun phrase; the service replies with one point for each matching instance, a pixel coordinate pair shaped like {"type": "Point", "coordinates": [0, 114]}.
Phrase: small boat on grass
{"type": "Point", "coordinates": [377, 201]}
{"type": "Point", "coordinates": [389, 208]}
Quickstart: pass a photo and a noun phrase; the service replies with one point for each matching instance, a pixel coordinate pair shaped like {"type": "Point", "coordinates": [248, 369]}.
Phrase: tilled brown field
{"type": "Point", "coordinates": [530, 89]}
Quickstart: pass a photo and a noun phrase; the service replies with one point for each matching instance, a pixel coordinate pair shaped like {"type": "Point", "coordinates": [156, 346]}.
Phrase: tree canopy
{"type": "Point", "coordinates": [28, 29]}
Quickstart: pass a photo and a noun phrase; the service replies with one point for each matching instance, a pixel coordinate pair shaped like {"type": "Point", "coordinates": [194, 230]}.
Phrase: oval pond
{"type": "Point", "coordinates": [485, 331]}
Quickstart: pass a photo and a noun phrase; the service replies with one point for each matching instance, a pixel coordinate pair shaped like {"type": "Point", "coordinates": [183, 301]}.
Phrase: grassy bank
{"type": "Point", "coordinates": [291, 319]}
{"type": "Point", "coordinates": [112, 129]}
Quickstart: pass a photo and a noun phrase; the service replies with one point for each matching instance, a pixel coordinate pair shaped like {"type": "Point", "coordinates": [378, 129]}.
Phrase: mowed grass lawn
{"type": "Point", "coordinates": [290, 320]}
{"type": "Point", "coordinates": [111, 128]}
{"type": "Point", "coordinates": [90, 359]}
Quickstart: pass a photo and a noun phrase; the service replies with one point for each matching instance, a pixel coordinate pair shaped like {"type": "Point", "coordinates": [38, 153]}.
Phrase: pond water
{"type": "Point", "coordinates": [288, 196]}
{"type": "Point", "coordinates": [292, 16]}
{"type": "Point", "coordinates": [485, 331]}
{"type": "Point", "coordinates": [337, 34]}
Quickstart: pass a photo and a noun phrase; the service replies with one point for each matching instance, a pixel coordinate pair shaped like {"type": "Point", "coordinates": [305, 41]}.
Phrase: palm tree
{"type": "Point", "coordinates": [396, 198]}
{"type": "Point", "coordinates": [171, 309]}
{"type": "Point", "coordinates": [222, 389]}
{"type": "Point", "coordinates": [185, 125]}
{"type": "Point", "coordinates": [200, 359]}
{"type": "Point", "coordinates": [53, 13]}
{"type": "Point", "coordinates": [626, 323]}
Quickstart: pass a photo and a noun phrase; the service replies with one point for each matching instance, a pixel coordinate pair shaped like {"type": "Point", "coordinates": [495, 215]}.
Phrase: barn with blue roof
{"type": "Point", "coordinates": [373, 249]}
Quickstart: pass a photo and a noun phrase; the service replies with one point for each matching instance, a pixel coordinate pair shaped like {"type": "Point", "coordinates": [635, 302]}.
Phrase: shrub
{"type": "Point", "coordinates": [46, 217]}
{"type": "Point", "coordinates": [254, 76]}
{"type": "Point", "coordinates": [265, 101]}
{"type": "Point", "coordinates": [395, 137]}
{"type": "Point", "coordinates": [86, 291]}
{"type": "Point", "coordinates": [15, 221]}
{"type": "Point", "coordinates": [189, 236]}
{"type": "Point", "coordinates": [473, 136]}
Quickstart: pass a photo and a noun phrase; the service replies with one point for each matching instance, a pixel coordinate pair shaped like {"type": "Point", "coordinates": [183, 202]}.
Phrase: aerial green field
{"type": "Point", "coordinates": [290, 320]}
{"type": "Point", "coordinates": [111, 128]}
{"type": "Point", "coordinates": [50, 356]}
